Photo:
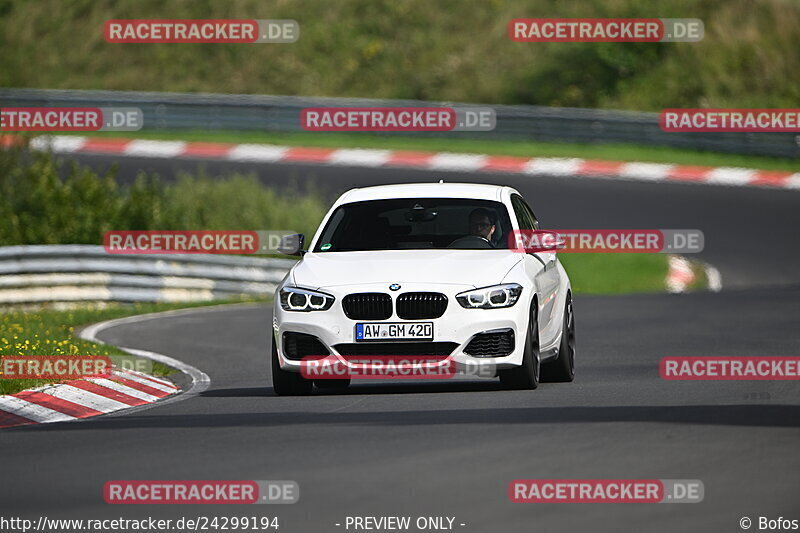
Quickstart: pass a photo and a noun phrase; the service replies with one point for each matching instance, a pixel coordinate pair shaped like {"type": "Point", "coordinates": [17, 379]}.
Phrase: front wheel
{"type": "Point", "coordinates": [288, 383]}
{"type": "Point", "coordinates": [526, 376]}
{"type": "Point", "coordinates": [562, 370]}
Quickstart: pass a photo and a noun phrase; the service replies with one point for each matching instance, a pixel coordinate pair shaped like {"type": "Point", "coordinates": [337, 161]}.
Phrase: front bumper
{"type": "Point", "coordinates": [457, 325]}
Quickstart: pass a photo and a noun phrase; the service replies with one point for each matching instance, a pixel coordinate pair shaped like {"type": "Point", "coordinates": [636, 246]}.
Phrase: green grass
{"type": "Point", "coordinates": [615, 273]}
{"type": "Point", "coordinates": [617, 152]}
{"type": "Point", "coordinates": [49, 332]}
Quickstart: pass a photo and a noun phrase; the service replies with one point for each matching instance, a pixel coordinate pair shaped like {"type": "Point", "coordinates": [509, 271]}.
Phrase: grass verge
{"type": "Point", "coordinates": [615, 273]}
{"type": "Point", "coordinates": [49, 332]}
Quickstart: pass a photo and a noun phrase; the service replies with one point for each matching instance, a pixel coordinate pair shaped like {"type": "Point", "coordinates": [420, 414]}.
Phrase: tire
{"type": "Point", "coordinates": [332, 384]}
{"type": "Point", "coordinates": [288, 383]}
{"type": "Point", "coordinates": [526, 376]}
{"type": "Point", "coordinates": [562, 370]}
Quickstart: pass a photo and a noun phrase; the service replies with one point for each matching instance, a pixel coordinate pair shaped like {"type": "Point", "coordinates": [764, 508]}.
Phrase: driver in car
{"type": "Point", "coordinates": [481, 224]}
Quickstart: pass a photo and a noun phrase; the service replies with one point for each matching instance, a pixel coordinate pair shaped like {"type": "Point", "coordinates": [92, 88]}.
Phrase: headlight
{"type": "Point", "coordinates": [492, 297]}
{"type": "Point", "coordinates": [297, 299]}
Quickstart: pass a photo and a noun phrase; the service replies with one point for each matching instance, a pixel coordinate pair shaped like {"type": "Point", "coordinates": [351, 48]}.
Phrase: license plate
{"type": "Point", "coordinates": [394, 331]}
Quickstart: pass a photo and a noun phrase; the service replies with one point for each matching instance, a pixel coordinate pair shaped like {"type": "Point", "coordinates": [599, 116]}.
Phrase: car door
{"type": "Point", "coordinates": [543, 267]}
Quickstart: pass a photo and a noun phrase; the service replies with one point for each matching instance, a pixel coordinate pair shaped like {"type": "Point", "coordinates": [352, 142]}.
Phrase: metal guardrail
{"type": "Point", "coordinates": [177, 111]}
{"type": "Point", "coordinates": [74, 273]}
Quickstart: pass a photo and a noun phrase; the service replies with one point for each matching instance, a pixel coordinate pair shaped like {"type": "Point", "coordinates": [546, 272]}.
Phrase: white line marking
{"type": "Point", "coordinates": [714, 277]}
{"type": "Point", "coordinates": [459, 162]}
{"type": "Point", "coordinates": [257, 152]}
{"type": "Point", "coordinates": [645, 171]}
{"type": "Point", "coordinates": [58, 143]}
{"type": "Point", "coordinates": [730, 176]}
{"type": "Point", "coordinates": [557, 166]}
{"type": "Point", "coordinates": [31, 411]}
{"type": "Point", "coordinates": [360, 158]}
{"type": "Point", "coordinates": [84, 398]}
{"type": "Point", "coordinates": [141, 147]}
{"type": "Point", "coordinates": [124, 389]}
{"type": "Point", "coordinates": [143, 381]}
{"type": "Point", "coordinates": [148, 377]}
{"type": "Point", "coordinates": [793, 181]}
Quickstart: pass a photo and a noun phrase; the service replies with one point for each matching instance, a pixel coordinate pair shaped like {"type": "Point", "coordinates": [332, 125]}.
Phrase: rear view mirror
{"type": "Point", "coordinates": [292, 244]}
{"type": "Point", "coordinates": [419, 213]}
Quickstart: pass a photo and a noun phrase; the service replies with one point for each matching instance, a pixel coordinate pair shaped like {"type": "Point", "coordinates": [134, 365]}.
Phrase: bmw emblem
{"type": "Point", "coordinates": [394, 287]}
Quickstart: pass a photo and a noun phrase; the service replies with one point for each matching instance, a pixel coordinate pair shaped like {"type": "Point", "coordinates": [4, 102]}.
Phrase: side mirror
{"type": "Point", "coordinates": [292, 244]}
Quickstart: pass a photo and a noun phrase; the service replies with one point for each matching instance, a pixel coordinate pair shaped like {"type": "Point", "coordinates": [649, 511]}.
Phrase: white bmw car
{"type": "Point", "coordinates": [425, 270]}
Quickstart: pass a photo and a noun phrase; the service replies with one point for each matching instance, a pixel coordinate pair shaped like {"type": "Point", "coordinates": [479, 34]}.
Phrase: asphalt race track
{"type": "Point", "coordinates": [451, 449]}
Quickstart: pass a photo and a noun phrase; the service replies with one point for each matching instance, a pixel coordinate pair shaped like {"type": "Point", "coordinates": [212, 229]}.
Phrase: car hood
{"type": "Point", "coordinates": [477, 268]}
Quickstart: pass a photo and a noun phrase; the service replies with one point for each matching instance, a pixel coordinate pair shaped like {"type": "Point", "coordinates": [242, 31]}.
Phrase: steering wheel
{"type": "Point", "coordinates": [471, 242]}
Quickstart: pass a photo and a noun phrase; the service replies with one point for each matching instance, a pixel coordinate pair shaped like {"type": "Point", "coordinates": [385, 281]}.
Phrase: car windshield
{"type": "Point", "coordinates": [416, 223]}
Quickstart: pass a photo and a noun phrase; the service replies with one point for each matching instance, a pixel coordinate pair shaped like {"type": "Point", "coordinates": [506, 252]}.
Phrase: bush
{"type": "Point", "coordinates": [38, 207]}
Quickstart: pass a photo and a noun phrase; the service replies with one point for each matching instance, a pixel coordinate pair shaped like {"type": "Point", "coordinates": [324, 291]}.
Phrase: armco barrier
{"type": "Point", "coordinates": [71, 273]}
{"type": "Point", "coordinates": [232, 112]}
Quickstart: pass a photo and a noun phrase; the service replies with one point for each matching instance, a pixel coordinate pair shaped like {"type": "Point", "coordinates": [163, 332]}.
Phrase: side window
{"type": "Point", "coordinates": [521, 211]}
{"type": "Point", "coordinates": [529, 211]}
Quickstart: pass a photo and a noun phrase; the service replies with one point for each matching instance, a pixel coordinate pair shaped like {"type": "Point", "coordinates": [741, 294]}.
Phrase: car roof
{"type": "Point", "coordinates": [426, 190]}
